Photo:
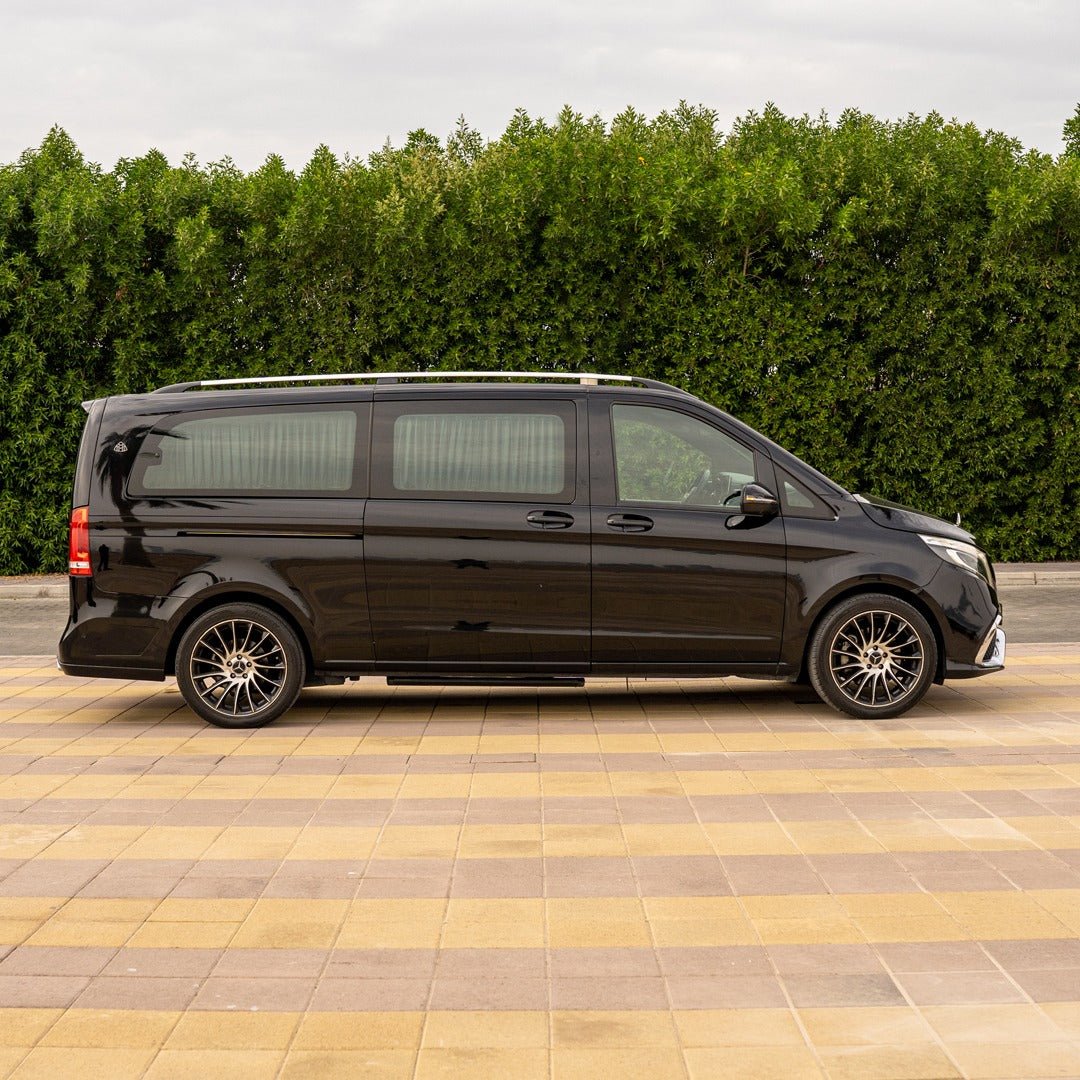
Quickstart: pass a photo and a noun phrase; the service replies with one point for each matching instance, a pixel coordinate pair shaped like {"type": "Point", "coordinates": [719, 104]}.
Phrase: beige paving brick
{"type": "Point", "coordinates": [50, 1062]}
{"type": "Point", "coordinates": [905, 1062]}
{"type": "Point", "coordinates": [25, 1026]}
{"type": "Point", "coordinates": [379, 1064]}
{"type": "Point", "coordinates": [181, 935]}
{"type": "Point", "coordinates": [215, 1064]}
{"type": "Point", "coordinates": [233, 1030]}
{"type": "Point", "coordinates": [866, 1026]}
{"type": "Point", "coordinates": [486, 1029]}
{"type": "Point", "coordinates": [359, 1031]}
{"type": "Point", "coordinates": [753, 1063]}
{"type": "Point", "coordinates": [737, 1027]}
{"type": "Point", "coordinates": [71, 932]}
{"type": "Point", "coordinates": [988, 1023]}
{"type": "Point", "coordinates": [105, 1028]}
{"type": "Point", "coordinates": [616, 1063]}
{"type": "Point", "coordinates": [982, 1061]}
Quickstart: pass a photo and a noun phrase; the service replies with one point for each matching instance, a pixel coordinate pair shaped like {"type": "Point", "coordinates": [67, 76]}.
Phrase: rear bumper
{"type": "Point", "coordinates": [107, 671]}
{"type": "Point", "coordinates": [112, 637]}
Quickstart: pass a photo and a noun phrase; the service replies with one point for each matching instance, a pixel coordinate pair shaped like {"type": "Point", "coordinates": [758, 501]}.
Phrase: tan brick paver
{"type": "Point", "coordinates": [666, 879]}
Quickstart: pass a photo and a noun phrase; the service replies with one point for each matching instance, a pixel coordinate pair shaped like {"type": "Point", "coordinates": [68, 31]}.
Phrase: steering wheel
{"type": "Point", "coordinates": [701, 480]}
{"type": "Point", "coordinates": [736, 494]}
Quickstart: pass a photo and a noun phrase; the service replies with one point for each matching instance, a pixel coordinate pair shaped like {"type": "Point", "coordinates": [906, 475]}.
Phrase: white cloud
{"type": "Point", "coordinates": [247, 79]}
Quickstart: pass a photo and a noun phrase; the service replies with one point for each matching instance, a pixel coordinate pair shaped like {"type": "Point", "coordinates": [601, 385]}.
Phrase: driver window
{"type": "Point", "coordinates": [663, 456]}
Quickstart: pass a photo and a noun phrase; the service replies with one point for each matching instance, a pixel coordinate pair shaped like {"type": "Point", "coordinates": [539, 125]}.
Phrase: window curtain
{"type": "Point", "coordinates": [482, 452]}
{"type": "Point", "coordinates": [271, 451]}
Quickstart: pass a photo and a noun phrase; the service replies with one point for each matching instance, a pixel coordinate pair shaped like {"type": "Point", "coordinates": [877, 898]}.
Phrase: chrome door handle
{"type": "Point", "coordinates": [549, 519]}
{"type": "Point", "coordinates": [630, 522]}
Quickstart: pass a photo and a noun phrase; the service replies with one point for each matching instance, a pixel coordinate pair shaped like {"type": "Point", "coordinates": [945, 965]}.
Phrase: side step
{"type": "Point", "coordinates": [483, 680]}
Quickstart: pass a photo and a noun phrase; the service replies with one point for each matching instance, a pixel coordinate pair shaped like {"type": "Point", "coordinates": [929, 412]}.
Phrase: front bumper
{"type": "Point", "coordinates": [990, 657]}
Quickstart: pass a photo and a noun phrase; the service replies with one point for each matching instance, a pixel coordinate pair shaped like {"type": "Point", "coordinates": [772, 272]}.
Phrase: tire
{"type": "Point", "coordinates": [239, 666]}
{"type": "Point", "coordinates": [872, 656]}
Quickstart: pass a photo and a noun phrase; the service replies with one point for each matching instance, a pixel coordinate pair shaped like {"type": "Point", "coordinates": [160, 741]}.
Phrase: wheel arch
{"type": "Point", "coordinates": [208, 603]}
{"type": "Point", "coordinates": [866, 588]}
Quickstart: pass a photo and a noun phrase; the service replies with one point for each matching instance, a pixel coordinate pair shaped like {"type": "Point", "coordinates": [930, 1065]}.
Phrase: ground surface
{"type": "Point", "coordinates": [1032, 613]}
{"type": "Point", "coordinates": [705, 880]}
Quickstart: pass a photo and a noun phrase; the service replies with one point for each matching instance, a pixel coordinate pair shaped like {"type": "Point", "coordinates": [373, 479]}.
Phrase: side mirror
{"type": "Point", "coordinates": [758, 501]}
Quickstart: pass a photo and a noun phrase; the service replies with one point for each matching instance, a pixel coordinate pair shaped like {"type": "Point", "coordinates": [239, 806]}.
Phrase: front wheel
{"type": "Point", "coordinates": [872, 656]}
{"type": "Point", "coordinates": [239, 666]}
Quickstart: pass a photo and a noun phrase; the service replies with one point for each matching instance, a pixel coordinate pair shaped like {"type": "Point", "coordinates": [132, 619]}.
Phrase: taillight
{"type": "Point", "coordinates": [79, 543]}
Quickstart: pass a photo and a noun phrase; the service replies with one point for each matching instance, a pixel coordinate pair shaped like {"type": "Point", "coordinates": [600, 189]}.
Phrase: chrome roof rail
{"type": "Point", "coordinates": [583, 378]}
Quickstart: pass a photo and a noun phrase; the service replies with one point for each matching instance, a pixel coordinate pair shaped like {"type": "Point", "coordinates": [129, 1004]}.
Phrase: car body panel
{"type": "Point", "coordinates": [467, 587]}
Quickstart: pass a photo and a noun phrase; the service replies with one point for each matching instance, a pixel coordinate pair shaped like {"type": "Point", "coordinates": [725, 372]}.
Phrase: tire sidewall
{"type": "Point", "coordinates": [820, 671]}
{"type": "Point", "coordinates": [290, 647]}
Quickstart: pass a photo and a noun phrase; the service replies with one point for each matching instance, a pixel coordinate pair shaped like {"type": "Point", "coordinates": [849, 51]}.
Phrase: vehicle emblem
{"type": "Point", "coordinates": [120, 448]}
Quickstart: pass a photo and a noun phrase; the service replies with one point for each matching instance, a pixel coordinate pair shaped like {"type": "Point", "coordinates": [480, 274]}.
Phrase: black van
{"type": "Point", "coordinates": [494, 528]}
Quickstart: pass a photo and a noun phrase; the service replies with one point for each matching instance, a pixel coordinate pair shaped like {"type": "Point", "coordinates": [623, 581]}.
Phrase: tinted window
{"type": "Point", "coordinates": [277, 451]}
{"type": "Point", "coordinates": [798, 501]}
{"type": "Point", "coordinates": [663, 456]}
{"type": "Point", "coordinates": [475, 450]}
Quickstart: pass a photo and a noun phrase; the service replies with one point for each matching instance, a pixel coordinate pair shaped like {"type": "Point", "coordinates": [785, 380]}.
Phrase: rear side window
{"type": "Point", "coordinates": [298, 451]}
{"type": "Point", "coordinates": [474, 450]}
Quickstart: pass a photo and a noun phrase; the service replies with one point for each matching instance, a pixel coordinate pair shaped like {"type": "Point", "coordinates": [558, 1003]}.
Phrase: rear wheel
{"type": "Point", "coordinates": [872, 656]}
{"type": "Point", "coordinates": [239, 666]}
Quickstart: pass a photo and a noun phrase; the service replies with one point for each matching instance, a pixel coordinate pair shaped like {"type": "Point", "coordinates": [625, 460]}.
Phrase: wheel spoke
{"type": "Point", "coordinates": [876, 658]}
{"type": "Point", "coordinates": [238, 668]}
{"type": "Point", "coordinates": [883, 684]}
{"type": "Point", "coordinates": [263, 696]}
{"type": "Point", "coordinates": [219, 657]}
{"type": "Point", "coordinates": [221, 638]}
{"type": "Point", "coordinates": [866, 677]}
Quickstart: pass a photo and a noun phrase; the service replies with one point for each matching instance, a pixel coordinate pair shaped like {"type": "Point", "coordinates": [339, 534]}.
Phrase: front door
{"type": "Point", "coordinates": [680, 578]}
{"type": "Point", "coordinates": [477, 534]}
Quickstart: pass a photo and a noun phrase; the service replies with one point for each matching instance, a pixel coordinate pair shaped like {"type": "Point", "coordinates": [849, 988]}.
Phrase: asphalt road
{"type": "Point", "coordinates": [1033, 613]}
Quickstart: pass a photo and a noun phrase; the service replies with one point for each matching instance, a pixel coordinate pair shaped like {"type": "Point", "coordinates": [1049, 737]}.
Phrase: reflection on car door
{"type": "Point", "coordinates": [477, 534]}
{"type": "Point", "coordinates": [680, 578]}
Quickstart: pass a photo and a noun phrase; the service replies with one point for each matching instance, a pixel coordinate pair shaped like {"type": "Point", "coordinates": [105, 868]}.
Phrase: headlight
{"type": "Point", "coordinates": [967, 556]}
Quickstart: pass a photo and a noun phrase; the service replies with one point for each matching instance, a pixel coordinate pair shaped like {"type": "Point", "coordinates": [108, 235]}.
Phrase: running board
{"type": "Point", "coordinates": [481, 680]}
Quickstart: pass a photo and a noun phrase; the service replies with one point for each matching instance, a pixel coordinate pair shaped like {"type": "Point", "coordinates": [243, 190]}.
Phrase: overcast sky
{"type": "Point", "coordinates": [245, 78]}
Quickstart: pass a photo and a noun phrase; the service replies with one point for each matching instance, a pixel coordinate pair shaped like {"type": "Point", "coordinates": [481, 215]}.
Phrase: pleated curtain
{"type": "Point", "coordinates": [497, 453]}
{"type": "Point", "coordinates": [307, 451]}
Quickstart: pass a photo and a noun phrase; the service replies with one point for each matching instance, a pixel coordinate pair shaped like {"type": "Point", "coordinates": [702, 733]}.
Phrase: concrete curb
{"type": "Point", "coordinates": [32, 590]}
{"type": "Point", "coordinates": [1049, 576]}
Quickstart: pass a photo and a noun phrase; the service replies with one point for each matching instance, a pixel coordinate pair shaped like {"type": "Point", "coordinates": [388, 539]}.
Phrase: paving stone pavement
{"type": "Point", "coordinates": [665, 879]}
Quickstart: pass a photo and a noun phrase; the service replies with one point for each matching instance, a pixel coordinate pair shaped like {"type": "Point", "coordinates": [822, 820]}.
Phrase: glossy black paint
{"type": "Point", "coordinates": [443, 588]}
{"type": "Point", "coordinates": [690, 588]}
{"type": "Point", "coordinates": [461, 585]}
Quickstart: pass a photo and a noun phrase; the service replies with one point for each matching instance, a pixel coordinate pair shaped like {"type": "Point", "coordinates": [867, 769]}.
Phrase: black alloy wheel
{"type": "Point", "coordinates": [873, 656]}
{"type": "Point", "coordinates": [239, 666]}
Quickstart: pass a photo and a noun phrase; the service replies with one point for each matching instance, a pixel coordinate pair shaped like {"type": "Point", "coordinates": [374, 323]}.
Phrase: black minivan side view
{"type": "Point", "coordinates": [253, 536]}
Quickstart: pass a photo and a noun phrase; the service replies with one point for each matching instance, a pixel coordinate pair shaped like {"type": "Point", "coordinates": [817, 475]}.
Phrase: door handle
{"type": "Point", "coordinates": [549, 519]}
{"type": "Point", "coordinates": [630, 522]}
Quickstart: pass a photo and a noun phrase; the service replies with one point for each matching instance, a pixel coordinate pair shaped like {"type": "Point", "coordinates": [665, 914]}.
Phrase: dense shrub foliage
{"type": "Point", "coordinates": [899, 303]}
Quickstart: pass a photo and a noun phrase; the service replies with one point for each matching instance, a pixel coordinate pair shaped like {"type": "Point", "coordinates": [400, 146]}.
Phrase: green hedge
{"type": "Point", "coordinates": [899, 303]}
